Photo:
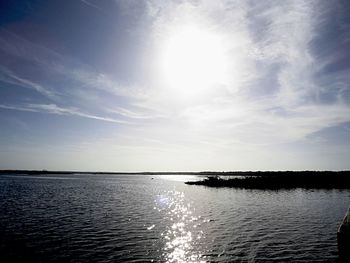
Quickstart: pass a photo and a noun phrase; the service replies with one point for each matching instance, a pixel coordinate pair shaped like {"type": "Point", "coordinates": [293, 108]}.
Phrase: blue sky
{"type": "Point", "coordinates": [175, 85]}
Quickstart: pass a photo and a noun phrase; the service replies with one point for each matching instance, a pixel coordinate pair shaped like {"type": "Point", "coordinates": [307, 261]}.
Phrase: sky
{"type": "Point", "coordinates": [153, 85]}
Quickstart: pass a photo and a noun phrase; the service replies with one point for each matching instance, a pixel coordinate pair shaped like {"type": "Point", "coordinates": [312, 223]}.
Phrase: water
{"type": "Point", "coordinates": [109, 218]}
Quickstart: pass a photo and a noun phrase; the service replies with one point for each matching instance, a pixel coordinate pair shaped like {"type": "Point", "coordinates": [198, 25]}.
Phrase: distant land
{"type": "Point", "coordinates": [204, 173]}
{"type": "Point", "coordinates": [281, 180]}
{"type": "Point", "coordinates": [47, 172]}
{"type": "Point", "coordinates": [237, 179]}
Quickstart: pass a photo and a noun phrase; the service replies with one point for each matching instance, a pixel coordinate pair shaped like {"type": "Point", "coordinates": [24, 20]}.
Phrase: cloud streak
{"type": "Point", "coordinates": [54, 109]}
{"type": "Point", "coordinates": [11, 78]}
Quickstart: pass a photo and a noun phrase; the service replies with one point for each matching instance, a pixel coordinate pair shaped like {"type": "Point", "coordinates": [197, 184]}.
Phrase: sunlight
{"type": "Point", "coordinates": [193, 60]}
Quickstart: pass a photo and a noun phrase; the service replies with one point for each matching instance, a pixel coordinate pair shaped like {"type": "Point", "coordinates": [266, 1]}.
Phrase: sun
{"type": "Point", "coordinates": [193, 61]}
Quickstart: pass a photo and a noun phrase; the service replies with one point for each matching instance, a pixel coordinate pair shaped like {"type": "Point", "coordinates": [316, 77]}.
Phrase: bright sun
{"type": "Point", "coordinates": [193, 61]}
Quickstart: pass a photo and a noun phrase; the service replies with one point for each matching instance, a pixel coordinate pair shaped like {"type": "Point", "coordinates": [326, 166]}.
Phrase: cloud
{"type": "Point", "coordinates": [103, 82]}
{"type": "Point", "coordinates": [91, 4]}
{"type": "Point", "coordinates": [58, 77]}
{"type": "Point", "coordinates": [19, 47]}
{"type": "Point", "coordinates": [11, 78]}
{"type": "Point", "coordinates": [274, 94]}
{"type": "Point", "coordinates": [54, 109]}
{"type": "Point", "coordinates": [134, 114]}
{"type": "Point", "coordinates": [279, 89]}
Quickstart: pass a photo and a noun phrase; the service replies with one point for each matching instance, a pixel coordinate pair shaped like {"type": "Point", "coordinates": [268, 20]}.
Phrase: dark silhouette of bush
{"type": "Point", "coordinates": [279, 180]}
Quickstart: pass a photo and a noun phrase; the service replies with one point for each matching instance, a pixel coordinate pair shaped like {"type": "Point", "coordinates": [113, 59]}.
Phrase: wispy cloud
{"type": "Point", "coordinates": [58, 77]}
{"type": "Point", "coordinates": [91, 4]}
{"type": "Point", "coordinates": [54, 109]}
{"type": "Point", "coordinates": [11, 78]}
{"type": "Point", "coordinates": [135, 114]}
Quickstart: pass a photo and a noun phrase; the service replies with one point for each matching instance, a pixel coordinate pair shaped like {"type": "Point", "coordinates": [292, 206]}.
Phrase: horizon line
{"type": "Point", "coordinates": [44, 171]}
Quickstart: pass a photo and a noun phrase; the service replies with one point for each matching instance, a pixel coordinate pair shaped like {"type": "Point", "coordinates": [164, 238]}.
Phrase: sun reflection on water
{"type": "Point", "coordinates": [182, 232]}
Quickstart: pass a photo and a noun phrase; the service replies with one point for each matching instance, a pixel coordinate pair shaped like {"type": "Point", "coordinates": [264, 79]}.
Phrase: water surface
{"type": "Point", "coordinates": [123, 218]}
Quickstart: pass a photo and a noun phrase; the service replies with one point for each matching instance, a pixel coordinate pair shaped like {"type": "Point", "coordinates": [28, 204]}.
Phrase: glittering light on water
{"type": "Point", "coordinates": [150, 227]}
{"type": "Point", "coordinates": [181, 234]}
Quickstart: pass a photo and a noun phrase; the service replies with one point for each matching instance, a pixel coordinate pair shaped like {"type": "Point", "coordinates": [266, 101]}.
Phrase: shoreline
{"type": "Point", "coordinates": [281, 180]}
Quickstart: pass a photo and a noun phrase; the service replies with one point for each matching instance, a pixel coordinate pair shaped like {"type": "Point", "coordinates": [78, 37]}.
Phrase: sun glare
{"type": "Point", "coordinates": [192, 61]}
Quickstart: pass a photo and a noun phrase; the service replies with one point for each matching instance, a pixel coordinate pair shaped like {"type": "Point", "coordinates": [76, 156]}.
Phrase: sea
{"type": "Point", "coordinates": [158, 218]}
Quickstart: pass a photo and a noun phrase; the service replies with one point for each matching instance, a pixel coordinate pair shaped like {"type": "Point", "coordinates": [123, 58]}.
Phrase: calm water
{"type": "Point", "coordinates": [104, 218]}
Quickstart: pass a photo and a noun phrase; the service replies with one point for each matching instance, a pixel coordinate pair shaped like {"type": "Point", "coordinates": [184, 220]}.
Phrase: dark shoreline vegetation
{"type": "Point", "coordinates": [282, 180]}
